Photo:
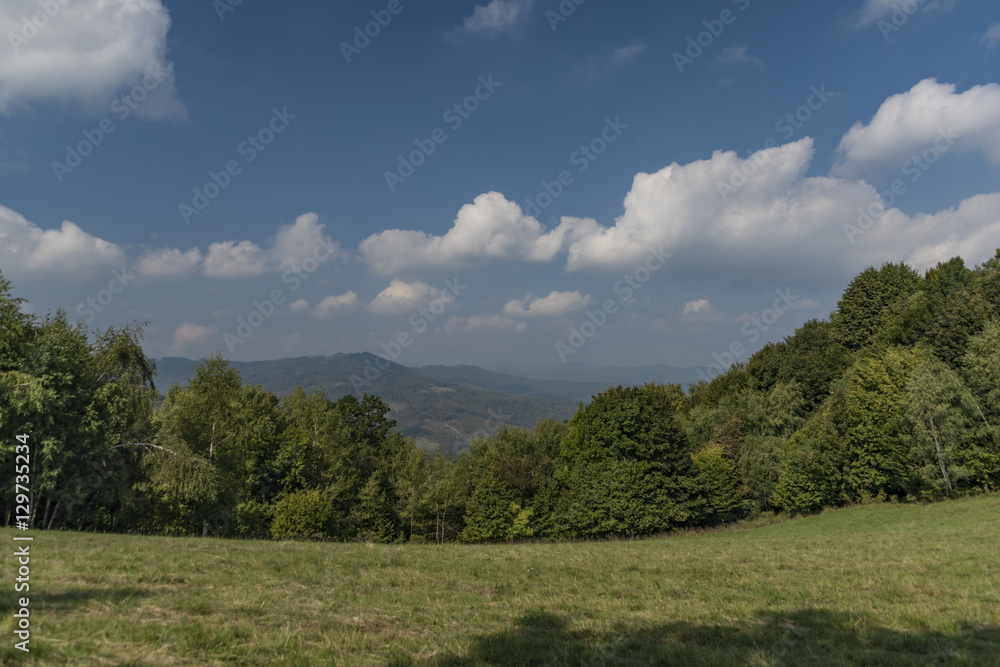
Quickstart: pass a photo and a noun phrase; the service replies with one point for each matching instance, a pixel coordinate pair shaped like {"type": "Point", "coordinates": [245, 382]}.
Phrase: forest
{"type": "Point", "coordinates": [894, 398]}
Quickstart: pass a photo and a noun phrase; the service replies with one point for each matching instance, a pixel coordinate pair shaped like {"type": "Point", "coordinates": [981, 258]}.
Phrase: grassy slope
{"type": "Point", "coordinates": [874, 585]}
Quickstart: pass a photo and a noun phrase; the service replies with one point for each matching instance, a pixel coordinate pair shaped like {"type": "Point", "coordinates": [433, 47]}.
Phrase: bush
{"type": "Point", "coordinates": [302, 515]}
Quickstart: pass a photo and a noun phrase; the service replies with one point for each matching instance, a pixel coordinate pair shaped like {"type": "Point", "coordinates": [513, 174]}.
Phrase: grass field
{"type": "Point", "coordinates": [872, 585]}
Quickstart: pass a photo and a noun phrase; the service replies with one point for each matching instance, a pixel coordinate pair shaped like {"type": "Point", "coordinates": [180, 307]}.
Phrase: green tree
{"type": "Point", "coordinates": [936, 426]}
{"type": "Point", "coordinates": [859, 311]}
{"type": "Point", "coordinates": [721, 483]}
{"type": "Point", "coordinates": [492, 515]}
{"type": "Point", "coordinates": [627, 465]}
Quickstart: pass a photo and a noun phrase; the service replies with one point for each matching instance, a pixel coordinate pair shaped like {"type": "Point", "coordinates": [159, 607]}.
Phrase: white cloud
{"type": "Point", "coordinates": [168, 262]}
{"type": "Point", "coordinates": [496, 17]}
{"type": "Point", "coordinates": [878, 9]}
{"type": "Point", "coordinates": [189, 332]}
{"type": "Point", "coordinates": [780, 226]}
{"type": "Point", "coordinates": [298, 306]}
{"type": "Point", "coordinates": [490, 228]}
{"type": "Point", "coordinates": [331, 305]}
{"type": "Point", "coordinates": [295, 242]}
{"type": "Point", "coordinates": [627, 53]}
{"type": "Point", "coordinates": [401, 297]}
{"type": "Point", "coordinates": [232, 259]}
{"type": "Point", "coordinates": [298, 244]}
{"type": "Point", "coordinates": [911, 122]}
{"type": "Point", "coordinates": [487, 323]}
{"type": "Point", "coordinates": [992, 35]}
{"type": "Point", "coordinates": [87, 54]}
{"type": "Point", "coordinates": [697, 306]}
{"type": "Point", "coordinates": [739, 55]}
{"type": "Point", "coordinates": [555, 304]}
{"type": "Point", "coordinates": [66, 253]}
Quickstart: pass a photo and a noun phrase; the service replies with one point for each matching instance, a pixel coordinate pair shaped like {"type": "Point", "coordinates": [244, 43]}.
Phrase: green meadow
{"type": "Point", "coordinates": [882, 584]}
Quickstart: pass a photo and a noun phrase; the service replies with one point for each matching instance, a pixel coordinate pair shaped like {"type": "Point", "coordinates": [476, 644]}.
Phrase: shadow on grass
{"type": "Point", "coordinates": [70, 599]}
{"type": "Point", "coordinates": [806, 637]}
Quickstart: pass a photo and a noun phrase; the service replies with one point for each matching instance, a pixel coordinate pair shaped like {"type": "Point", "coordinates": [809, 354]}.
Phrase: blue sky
{"type": "Point", "coordinates": [704, 170]}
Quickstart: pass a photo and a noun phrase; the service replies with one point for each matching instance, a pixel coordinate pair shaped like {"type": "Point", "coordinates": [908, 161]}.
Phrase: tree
{"type": "Point", "coordinates": [859, 310]}
{"type": "Point", "coordinates": [721, 483]}
{"type": "Point", "coordinates": [225, 429]}
{"type": "Point", "coordinates": [627, 465]}
{"type": "Point", "coordinates": [935, 426]}
{"type": "Point", "coordinates": [880, 461]}
{"type": "Point", "coordinates": [492, 515]}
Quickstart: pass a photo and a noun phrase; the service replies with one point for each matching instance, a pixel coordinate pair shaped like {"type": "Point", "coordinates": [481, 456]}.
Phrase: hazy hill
{"type": "Point", "coordinates": [436, 406]}
{"type": "Point", "coordinates": [513, 384]}
{"type": "Point", "coordinates": [603, 375]}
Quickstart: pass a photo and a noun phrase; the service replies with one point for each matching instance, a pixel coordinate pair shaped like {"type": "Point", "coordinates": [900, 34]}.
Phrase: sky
{"type": "Point", "coordinates": [454, 182]}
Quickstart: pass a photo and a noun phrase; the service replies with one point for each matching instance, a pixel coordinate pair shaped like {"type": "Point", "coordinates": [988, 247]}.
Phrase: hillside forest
{"type": "Point", "coordinates": [895, 397]}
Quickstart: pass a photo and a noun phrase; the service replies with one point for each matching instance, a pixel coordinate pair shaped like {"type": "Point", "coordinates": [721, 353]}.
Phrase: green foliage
{"type": "Point", "coordinates": [936, 413]}
{"type": "Point", "coordinates": [721, 483]}
{"type": "Point", "coordinates": [880, 460]}
{"type": "Point", "coordinates": [628, 469]}
{"type": "Point", "coordinates": [492, 515]}
{"type": "Point", "coordinates": [374, 517]}
{"type": "Point", "coordinates": [302, 515]}
{"type": "Point", "coordinates": [859, 311]}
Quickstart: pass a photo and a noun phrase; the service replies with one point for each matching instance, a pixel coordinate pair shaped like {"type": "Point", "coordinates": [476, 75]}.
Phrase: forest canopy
{"type": "Point", "coordinates": [896, 396]}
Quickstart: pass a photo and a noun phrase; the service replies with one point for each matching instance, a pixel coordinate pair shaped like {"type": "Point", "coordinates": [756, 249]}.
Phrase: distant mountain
{"type": "Point", "coordinates": [440, 407]}
{"type": "Point", "coordinates": [511, 384]}
{"type": "Point", "coordinates": [602, 375]}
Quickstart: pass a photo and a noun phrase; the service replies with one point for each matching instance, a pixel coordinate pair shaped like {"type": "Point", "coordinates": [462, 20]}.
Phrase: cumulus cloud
{"type": "Point", "coordinates": [490, 228]}
{"type": "Point", "coordinates": [68, 252]}
{"type": "Point", "coordinates": [874, 10]}
{"type": "Point", "coordinates": [911, 122]}
{"type": "Point", "coordinates": [776, 224]}
{"type": "Point", "coordinates": [722, 218]}
{"type": "Point", "coordinates": [496, 17]}
{"type": "Point", "coordinates": [87, 54]}
{"type": "Point", "coordinates": [487, 323]}
{"type": "Point", "coordinates": [298, 306]}
{"type": "Point", "coordinates": [295, 245]}
{"type": "Point", "coordinates": [189, 332]}
{"type": "Point", "coordinates": [401, 297]}
{"type": "Point", "coordinates": [331, 305]}
{"type": "Point", "coordinates": [701, 305]}
{"type": "Point", "coordinates": [555, 304]}
{"type": "Point", "coordinates": [169, 262]}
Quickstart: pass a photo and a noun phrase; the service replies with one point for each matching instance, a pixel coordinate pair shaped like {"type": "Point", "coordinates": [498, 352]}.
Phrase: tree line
{"type": "Point", "coordinates": [896, 396]}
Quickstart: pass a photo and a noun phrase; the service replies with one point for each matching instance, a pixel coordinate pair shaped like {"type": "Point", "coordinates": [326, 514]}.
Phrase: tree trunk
{"type": "Point", "coordinates": [52, 519]}
{"type": "Point", "coordinates": [944, 469]}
